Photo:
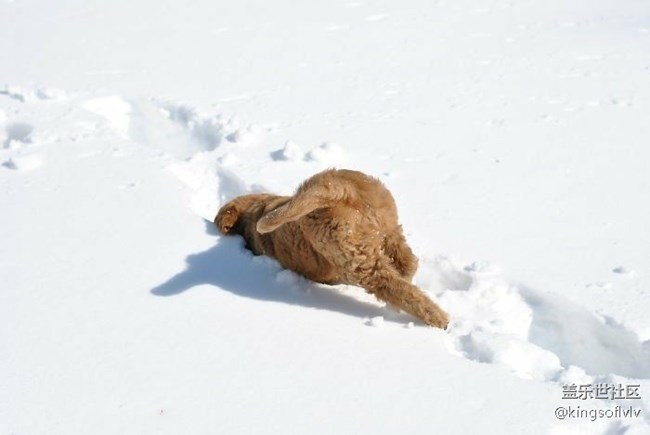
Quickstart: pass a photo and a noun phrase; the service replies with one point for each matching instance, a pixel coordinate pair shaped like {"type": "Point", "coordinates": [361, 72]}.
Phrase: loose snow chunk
{"type": "Point", "coordinates": [328, 153]}
{"type": "Point", "coordinates": [17, 93]}
{"type": "Point", "coordinates": [599, 286]}
{"type": "Point", "coordinates": [50, 94]}
{"type": "Point", "coordinates": [228, 159]}
{"type": "Point", "coordinates": [377, 321]}
{"type": "Point", "coordinates": [622, 270]}
{"type": "Point", "coordinates": [291, 152]}
{"type": "Point", "coordinates": [24, 163]}
{"type": "Point", "coordinates": [243, 135]}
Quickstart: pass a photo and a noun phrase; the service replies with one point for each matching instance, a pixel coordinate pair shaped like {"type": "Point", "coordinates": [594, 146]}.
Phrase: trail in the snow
{"type": "Point", "coordinates": [535, 334]}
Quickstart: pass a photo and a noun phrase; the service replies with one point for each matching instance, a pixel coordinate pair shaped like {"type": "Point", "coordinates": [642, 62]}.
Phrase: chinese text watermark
{"type": "Point", "coordinates": [603, 392]}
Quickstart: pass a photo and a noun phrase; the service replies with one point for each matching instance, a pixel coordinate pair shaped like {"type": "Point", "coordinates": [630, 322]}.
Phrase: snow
{"type": "Point", "coordinates": [513, 136]}
{"type": "Point", "coordinates": [115, 111]}
{"type": "Point", "coordinates": [327, 153]}
{"type": "Point", "coordinates": [377, 321]}
{"type": "Point", "coordinates": [290, 151]}
{"type": "Point", "coordinates": [26, 162]}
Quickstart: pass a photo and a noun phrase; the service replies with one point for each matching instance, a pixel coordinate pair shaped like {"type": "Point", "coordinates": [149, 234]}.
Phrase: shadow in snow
{"type": "Point", "coordinates": [231, 267]}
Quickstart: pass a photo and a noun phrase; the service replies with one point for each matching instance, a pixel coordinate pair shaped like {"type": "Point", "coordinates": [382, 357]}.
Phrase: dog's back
{"type": "Point", "coordinates": [339, 194]}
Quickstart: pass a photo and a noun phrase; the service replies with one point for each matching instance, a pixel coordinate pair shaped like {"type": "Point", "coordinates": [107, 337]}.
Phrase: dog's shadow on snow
{"type": "Point", "coordinates": [231, 267]}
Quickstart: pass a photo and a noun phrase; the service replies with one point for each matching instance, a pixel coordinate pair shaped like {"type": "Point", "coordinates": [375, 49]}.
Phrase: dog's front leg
{"type": "Point", "coordinates": [227, 218]}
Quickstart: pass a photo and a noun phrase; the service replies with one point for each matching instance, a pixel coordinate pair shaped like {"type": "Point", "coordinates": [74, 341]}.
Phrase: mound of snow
{"type": "Point", "coordinates": [290, 152]}
{"type": "Point", "coordinates": [328, 153]}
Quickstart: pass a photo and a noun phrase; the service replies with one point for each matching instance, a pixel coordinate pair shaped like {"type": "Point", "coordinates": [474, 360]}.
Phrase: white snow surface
{"type": "Point", "coordinates": [513, 135]}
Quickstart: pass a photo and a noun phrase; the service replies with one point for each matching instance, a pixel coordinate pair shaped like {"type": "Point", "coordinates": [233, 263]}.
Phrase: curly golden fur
{"type": "Point", "coordinates": [340, 227]}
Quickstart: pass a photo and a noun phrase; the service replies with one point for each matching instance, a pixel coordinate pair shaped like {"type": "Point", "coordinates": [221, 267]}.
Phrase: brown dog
{"type": "Point", "coordinates": [339, 228]}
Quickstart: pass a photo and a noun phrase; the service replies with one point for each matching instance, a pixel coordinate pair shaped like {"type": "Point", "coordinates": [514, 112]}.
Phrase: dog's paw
{"type": "Point", "coordinates": [226, 219]}
{"type": "Point", "coordinates": [437, 318]}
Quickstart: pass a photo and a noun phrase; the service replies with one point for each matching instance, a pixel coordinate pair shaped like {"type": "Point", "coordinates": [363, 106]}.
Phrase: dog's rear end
{"type": "Point", "coordinates": [341, 226]}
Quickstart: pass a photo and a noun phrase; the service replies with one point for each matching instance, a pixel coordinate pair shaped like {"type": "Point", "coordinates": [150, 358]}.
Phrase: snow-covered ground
{"type": "Point", "coordinates": [513, 134]}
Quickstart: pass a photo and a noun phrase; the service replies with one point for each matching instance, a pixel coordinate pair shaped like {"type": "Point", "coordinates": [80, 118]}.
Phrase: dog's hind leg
{"type": "Point", "coordinates": [400, 254]}
{"type": "Point", "coordinates": [386, 285]}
